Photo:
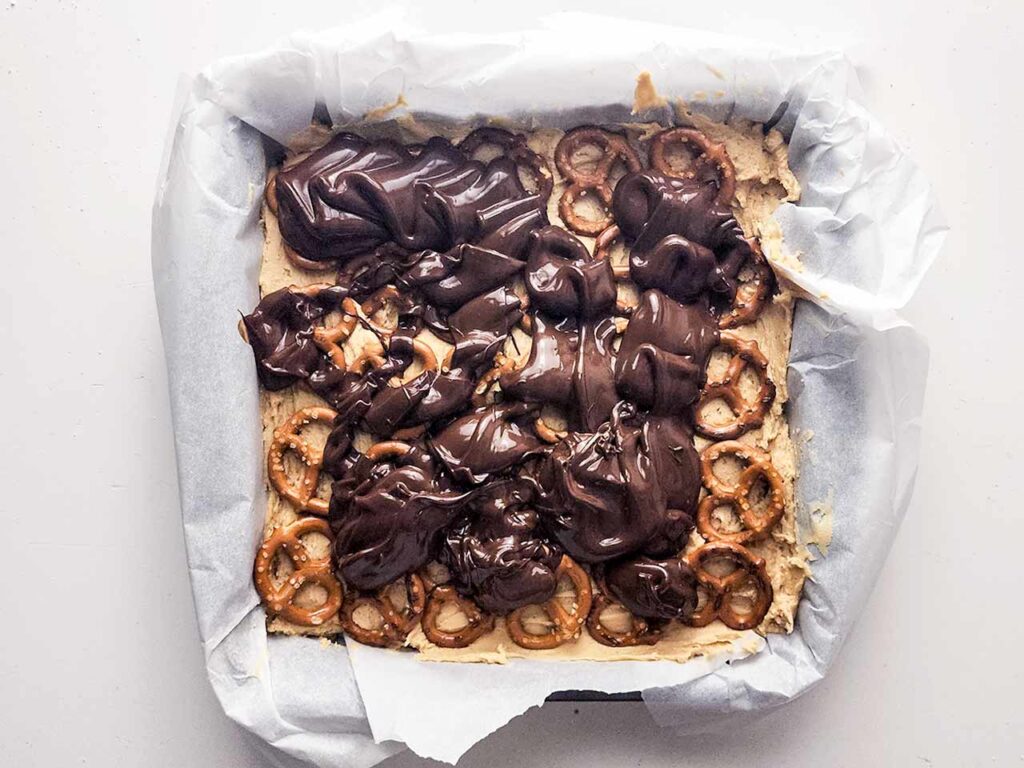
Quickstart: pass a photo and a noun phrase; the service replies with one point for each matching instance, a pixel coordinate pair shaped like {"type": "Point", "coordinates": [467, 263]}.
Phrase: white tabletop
{"type": "Point", "coordinates": [99, 656]}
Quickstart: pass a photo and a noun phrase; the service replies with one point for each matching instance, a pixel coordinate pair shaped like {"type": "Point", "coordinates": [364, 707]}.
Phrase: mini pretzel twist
{"type": "Point", "coordinates": [395, 623]}
{"type": "Point", "coordinates": [477, 625]}
{"type": "Point", "coordinates": [759, 465]}
{"type": "Point", "coordinates": [547, 433]}
{"type": "Point", "coordinates": [722, 592]}
{"type": "Point", "coordinates": [330, 340]}
{"type": "Point", "coordinates": [302, 495]}
{"type": "Point", "coordinates": [747, 414]}
{"type": "Point", "coordinates": [502, 365]}
{"type": "Point", "coordinates": [567, 623]}
{"type": "Point", "coordinates": [370, 358]}
{"type": "Point", "coordinates": [387, 449]}
{"type": "Point", "coordinates": [513, 146]}
{"type": "Point", "coordinates": [752, 293]}
{"type": "Point", "coordinates": [706, 153]}
{"type": "Point", "coordinates": [583, 182]}
{"type": "Point", "coordinates": [639, 633]}
{"type": "Point", "coordinates": [603, 250]}
{"type": "Point", "coordinates": [279, 599]}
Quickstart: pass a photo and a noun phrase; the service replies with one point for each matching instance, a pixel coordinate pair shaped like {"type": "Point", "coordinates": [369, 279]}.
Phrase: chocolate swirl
{"type": "Point", "coordinates": [683, 242]}
{"type": "Point", "coordinates": [351, 196]}
{"type": "Point", "coordinates": [606, 494]}
{"type": "Point", "coordinates": [390, 522]}
{"type": "Point", "coordinates": [497, 555]}
{"type": "Point", "coordinates": [653, 589]}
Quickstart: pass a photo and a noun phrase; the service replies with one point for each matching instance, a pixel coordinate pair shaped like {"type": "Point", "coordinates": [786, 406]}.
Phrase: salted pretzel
{"type": "Point", "coordinates": [502, 365]}
{"type": "Point", "coordinates": [639, 633]}
{"type": "Point", "coordinates": [582, 182]}
{"type": "Point", "coordinates": [477, 625]}
{"type": "Point", "coordinates": [376, 302]}
{"type": "Point", "coordinates": [370, 358]}
{"type": "Point", "coordinates": [330, 340]}
{"type": "Point", "coordinates": [395, 622]}
{"type": "Point", "coordinates": [603, 250]}
{"type": "Point", "coordinates": [547, 433]}
{"type": "Point", "coordinates": [301, 495]}
{"type": "Point", "coordinates": [758, 465]}
{"type": "Point", "coordinates": [753, 291]}
{"type": "Point", "coordinates": [387, 449]}
{"type": "Point", "coordinates": [747, 414]}
{"type": "Point", "coordinates": [705, 153]}
{"type": "Point", "coordinates": [280, 599]}
{"type": "Point", "coordinates": [513, 146]}
{"type": "Point", "coordinates": [723, 592]}
{"type": "Point", "coordinates": [567, 623]}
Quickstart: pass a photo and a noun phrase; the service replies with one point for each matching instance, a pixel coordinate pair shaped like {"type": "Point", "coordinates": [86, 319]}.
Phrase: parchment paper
{"type": "Point", "coordinates": [866, 231]}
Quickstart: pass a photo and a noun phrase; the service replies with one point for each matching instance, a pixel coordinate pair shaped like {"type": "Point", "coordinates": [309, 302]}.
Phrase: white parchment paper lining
{"type": "Point", "coordinates": [866, 231]}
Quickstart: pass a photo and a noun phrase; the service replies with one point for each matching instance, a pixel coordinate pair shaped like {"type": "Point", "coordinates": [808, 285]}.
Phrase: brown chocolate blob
{"type": "Point", "coordinates": [497, 555]}
{"type": "Point", "coordinates": [653, 589]}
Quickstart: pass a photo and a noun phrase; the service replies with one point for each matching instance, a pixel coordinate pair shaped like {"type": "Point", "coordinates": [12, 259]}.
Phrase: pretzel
{"type": "Point", "coordinates": [513, 146]}
{"type": "Point", "coordinates": [759, 464]}
{"type": "Point", "coordinates": [603, 250]}
{"type": "Point", "coordinates": [302, 496]}
{"type": "Point", "coordinates": [567, 624]}
{"type": "Point", "coordinates": [369, 358]}
{"type": "Point", "coordinates": [752, 294]}
{"type": "Point", "coordinates": [270, 191]}
{"type": "Point", "coordinates": [721, 591]}
{"type": "Point", "coordinates": [546, 433]}
{"type": "Point", "coordinates": [376, 302]}
{"type": "Point", "coordinates": [502, 365]}
{"type": "Point", "coordinates": [613, 147]}
{"type": "Point", "coordinates": [478, 623]}
{"type": "Point", "coordinates": [639, 633]}
{"type": "Point", "coordinates": [329, 340]}
{"type": "Point", "coordinates": [387, 449]}
{"type": "Point", "coordinates": [280, 600]}
{"type": "Point", "coordinates": [706, 152]}
{"type": "Point", "coordinates": [395, 623]}
{"type": "Point", "coordinates": [747, 414]}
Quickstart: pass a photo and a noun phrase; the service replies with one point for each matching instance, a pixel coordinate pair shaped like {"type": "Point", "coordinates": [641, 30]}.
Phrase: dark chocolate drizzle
{"type": "Point", "coordinates": [479, 490]}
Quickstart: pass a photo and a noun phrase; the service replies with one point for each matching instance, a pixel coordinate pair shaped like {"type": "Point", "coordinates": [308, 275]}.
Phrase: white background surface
{"type": "Point", "coordinates": [99, 656]}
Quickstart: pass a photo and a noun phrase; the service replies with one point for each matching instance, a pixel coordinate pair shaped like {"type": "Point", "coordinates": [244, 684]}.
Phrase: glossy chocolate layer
{"type": "Point", "coordinates": [683, 242]}
{"type": "Point", "coordinates": [653, 589]}
{"type": "Point", "coordinates": [352, 196]}
{"type": "Point", "coordinates": [498, 554]}
{"type": "Point", "coordinates": [479, 490]}
{"type": "Point", "coordinates": [607, 493]}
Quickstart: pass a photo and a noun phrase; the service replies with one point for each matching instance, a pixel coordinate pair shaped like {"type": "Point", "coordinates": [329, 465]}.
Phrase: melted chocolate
{"type": "Point", "coordinates": [572, 368]}
{"type": "Point", "coordinates": [683, 242]}
{"type": "Point", "coordinates": [352, 196]}
{"type": "Point", "coordinates": [391, 522]}
{"type": "Point", "coordinates": [664, 353]}
{"type": "Point", "coordinates": [480, 491]}
{"type": "Point", "coordinates": [486, 441]}
{"type": "Point", "coordinates": [497, 555]}
{"type": "Point", "coordinates": [280, 331]}
{"type": "Point", "coordinates": [562, 278]}
{"type": "Point", "coordinates": [654, 589]}
{"type": "Point", "coordinates": [606, 494]}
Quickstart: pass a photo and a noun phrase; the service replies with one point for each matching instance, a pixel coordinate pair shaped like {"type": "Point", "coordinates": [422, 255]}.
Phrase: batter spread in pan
{"type": "Point", "coordinates": [522, 391]}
